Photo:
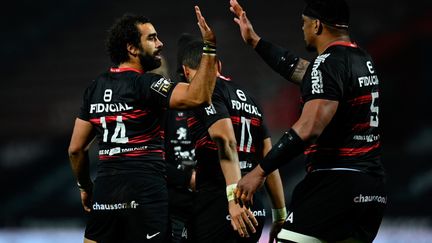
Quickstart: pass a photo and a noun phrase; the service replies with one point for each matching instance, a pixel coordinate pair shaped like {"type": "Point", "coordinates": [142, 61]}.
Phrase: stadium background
{"type": "Point", "coordinates": [50, 50]}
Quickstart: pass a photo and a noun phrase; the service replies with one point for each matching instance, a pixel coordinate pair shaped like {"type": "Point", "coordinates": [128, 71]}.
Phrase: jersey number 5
{"type": "Point", "coordinates": [374, 110]}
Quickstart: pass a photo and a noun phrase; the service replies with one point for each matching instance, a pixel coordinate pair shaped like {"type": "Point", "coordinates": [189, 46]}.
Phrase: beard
{"type": "Point", "coordinates": [149, 62]}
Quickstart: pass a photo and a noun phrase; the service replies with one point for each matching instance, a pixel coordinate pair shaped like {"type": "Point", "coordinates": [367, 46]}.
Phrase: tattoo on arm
{"type": "Point", "coordinates": [299, 71]}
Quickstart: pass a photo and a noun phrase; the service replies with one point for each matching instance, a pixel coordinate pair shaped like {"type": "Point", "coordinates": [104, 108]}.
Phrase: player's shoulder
{"type": "Point", "coordinates": [220, 86]}
{"type": "Point", "coordinates": [340, 52]}
{"type": "Point", "coordinates": [330, 59]}
{"type": "Point", "coordinates": [152, 79]}
{"type": "Point", "coordinates": [148, 76]}
{"type": "Point", "coordinates": [100, 79]}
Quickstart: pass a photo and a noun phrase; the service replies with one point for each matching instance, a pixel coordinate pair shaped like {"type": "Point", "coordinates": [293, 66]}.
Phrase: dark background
{"type": "Point", "coordinates": [51, 50]}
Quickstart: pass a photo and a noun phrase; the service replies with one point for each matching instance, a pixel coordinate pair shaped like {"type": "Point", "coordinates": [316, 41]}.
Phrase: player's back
{"type": "Point", "coordinates": [352, 138]}
{"type": "Point", "coordinates": [121, 107]}
{"type": "Point", "coordinates": [248, 123]}
{"type": "Point", "coordinates": [228, 101]}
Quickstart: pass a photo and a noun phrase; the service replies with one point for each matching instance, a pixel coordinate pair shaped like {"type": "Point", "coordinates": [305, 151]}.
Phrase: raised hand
{"type": "Point", "coordinates": [247, 32]}
{"type": "Point", "coordinates": [206, 32]}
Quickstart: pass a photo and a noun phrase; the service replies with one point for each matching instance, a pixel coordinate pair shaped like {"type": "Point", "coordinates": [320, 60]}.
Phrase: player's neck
{"type": "Point", "coordinates": [133, 65]}
{"type": "Point", "coordinates": [326, 42]}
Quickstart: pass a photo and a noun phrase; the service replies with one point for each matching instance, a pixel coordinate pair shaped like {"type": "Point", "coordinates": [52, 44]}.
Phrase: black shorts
{"type": "Point", "coordinates": [129, 208]}
{"type": "Point", "coordinates": [336, 205]}
{"type": "Point", "coordinates": [212, 223]}
{"type": "Point", "coordinates": [180, 206]}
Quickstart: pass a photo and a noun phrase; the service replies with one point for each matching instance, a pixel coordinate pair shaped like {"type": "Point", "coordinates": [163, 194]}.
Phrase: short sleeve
{"type": "Point", "coordinates": [215, 111]}
{"type": "Point", "coordinates": [324, 79]}
{"type": "Point", "coordinates": [265, 130]}
{"type": "Point", "coordinates": [156, 89]}
{"type": "Point", "coordinates": [85, 106]}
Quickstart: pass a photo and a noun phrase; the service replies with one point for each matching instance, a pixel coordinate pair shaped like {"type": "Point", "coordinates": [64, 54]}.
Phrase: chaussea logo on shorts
{"type": "Point", "coordinates": [368, 198]}
{"type": "Point", "coordinates": [115, 206]}
{"type": "Point", "coordinates": [256, 213]}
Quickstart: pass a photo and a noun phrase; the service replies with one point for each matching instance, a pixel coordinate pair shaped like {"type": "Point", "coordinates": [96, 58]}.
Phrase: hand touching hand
{"type": "Point", "coordinates": [248, 185]}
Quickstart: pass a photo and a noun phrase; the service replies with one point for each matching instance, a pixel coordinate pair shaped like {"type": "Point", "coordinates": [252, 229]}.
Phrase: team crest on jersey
{"type": "Point", "coordinates": [162, 86]}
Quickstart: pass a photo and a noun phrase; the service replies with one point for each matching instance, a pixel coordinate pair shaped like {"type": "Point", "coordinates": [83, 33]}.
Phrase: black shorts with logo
{"type": "Point", "coordinates": [211, 221]}
{"type": "Point", "coordinates": [129, 208]}
{"type": "Point", "coordinates": [336, 205]}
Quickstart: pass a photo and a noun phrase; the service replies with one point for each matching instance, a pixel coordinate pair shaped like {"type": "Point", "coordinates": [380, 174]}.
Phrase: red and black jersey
{"type": "Point", "coordinates": [228, 101]}
{"type": "Point", "coordinates": [178, 140]}
{"type": "Point", "coordinates": [180, 161]}
{"type": "Point", "coordinates": [126, 106]}
{"type": "Point", "coordinates": [179, 148]}
{"type": "Point", "coordinates": [345, 73]}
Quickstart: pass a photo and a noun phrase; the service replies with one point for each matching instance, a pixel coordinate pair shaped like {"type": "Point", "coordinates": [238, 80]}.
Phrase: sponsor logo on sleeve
{"type": "Point", "coordinates": [162, 86]}
{"type": "Point", "coordinates": [210, 110]}
{"type": "Point", "coordinates": [316, 76]}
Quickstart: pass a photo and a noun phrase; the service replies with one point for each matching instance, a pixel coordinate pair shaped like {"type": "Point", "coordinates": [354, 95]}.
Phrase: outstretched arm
{"type": "Point", "coordinates": [279, 59]}
{"type": "Point", "coordinates": [274, 188]}
{"type": "Point", "coordinates": [200, 89]}
{"type": "Point", "coordinates": [247, 31]}
{"type": "Point", "coordinates": [316, 115]}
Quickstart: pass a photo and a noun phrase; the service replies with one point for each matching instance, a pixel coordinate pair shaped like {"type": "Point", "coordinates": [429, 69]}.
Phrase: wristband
{"type": "Point", "coordinates": [85, 188]}
{"type": "Point", "coordinates": [230, 191]}
{"type": "Point", "coordinates": [209, 49]}
{"type": "Point", "coordinates": [209, 44]}
{"type": "Point", "coordinates": [279, 214]}
{"type": "Point", "coordinates": [287, 148]}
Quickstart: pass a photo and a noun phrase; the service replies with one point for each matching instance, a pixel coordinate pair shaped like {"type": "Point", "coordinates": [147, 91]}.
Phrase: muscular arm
{"type": "Point", "coordinates": [316, 115]}
{"type": "Point", "coordinates": [282, 61]}
{"type": "Point", "coordinates": [299, 71]}
{"type": "Point", "coordinates": [200, 89]}
{"type": "Point", "coordinates": [82, 137]}
{"type": "Point", "coordinates": [274, 188]}
{"type": "Point", "coordinates": [274, 183]}
{"type": "Point", "coordinates": [279, 59]}
{"type": "Point", "coordinates": [222, 134]}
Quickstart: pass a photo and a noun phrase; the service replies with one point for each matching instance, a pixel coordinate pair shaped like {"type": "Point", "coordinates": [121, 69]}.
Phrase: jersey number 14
{"type": "Point", "coordinates": [119, 135]}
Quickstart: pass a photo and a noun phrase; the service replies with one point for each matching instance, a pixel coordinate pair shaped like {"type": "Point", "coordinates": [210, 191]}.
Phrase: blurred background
{"type": "Point", "coordinates": [51, 50]}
